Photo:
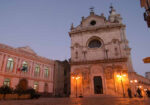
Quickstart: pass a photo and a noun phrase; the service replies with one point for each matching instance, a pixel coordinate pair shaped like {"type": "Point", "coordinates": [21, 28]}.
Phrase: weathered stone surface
{"type": "Point", "coordinates": [79, 101]}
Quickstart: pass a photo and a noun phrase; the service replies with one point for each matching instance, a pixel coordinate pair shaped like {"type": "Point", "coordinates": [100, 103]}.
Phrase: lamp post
{"type": "Point", "coordinates": [134, 82]}
{"type": "Point", "coordinates": [121, 77]}
{"type": "Point", "coordinates": [76, 79]}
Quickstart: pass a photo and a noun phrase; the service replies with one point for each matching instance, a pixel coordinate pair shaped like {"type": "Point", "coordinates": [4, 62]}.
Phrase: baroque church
{"type": "Point", "coordinates": [100, 56]}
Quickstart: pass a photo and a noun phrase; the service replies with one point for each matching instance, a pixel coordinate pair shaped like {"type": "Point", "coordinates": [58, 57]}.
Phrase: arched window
{"type": "Point", "coordinates": [10, 64]}
{"type": "Point", "coordinates": [37, 71]}
{"type": "Point", "coordinates": [7, 82]}
{"type": "Point", "coordinates": [95, 43]}
{"type": "Point", "coordinates": [24, 66]}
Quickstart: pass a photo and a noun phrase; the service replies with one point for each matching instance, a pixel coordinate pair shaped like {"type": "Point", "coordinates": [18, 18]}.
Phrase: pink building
{"type": "Point", "coordinates": [23, 64]}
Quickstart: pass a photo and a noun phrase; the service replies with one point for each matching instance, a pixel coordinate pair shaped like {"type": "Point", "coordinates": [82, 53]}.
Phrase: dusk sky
{"type": "Point", "coordinates": [44, 25]}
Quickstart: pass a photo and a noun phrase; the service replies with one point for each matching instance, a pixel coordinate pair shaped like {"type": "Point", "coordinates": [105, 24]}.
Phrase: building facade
{"type": "Point", "coordinates": [62, 78]}
{"type": "Point", "coordinates": [23, 65]}
{"type": "Point", "coordinates": [146, 5]}
{"type": "Point", "coordinates": [147, 75]}
{"type": "Point", "coordinates": [138, 81]}
{"type": "Point", "coordinates": [100, 56]}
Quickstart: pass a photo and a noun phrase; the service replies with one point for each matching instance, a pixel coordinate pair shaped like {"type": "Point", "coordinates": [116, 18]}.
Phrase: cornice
{"type": "Point", "coordinates": [100, 61]}
{"type": "Point", "coordinates": [13, 51]}
{"type": "Point", "coordinates": [21, 76]}
{"type": "Point", "coordinates": [102, 27]}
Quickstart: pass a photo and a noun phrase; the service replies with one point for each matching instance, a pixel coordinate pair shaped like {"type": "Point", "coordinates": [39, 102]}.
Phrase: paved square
{"type": "Point", "coordinates": [79, 101]}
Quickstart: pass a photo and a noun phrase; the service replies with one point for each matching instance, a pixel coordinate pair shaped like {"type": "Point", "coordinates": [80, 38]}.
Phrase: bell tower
{"type": "Point", "coordinates": [99, 55]}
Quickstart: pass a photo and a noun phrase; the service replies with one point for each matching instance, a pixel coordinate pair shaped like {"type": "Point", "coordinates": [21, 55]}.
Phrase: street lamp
{"type": "Point", "coordinates": [121, 77]}
{"type": "Point", "coordinates": [134, 82]}
{"type": "Point", "coordinates": [76, 79]}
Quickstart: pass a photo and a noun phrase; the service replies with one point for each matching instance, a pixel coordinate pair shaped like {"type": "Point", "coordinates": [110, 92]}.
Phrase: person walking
{"type": "Point", "coordinates": [129, 93]}
{"type": "Point", "coordinates": [148, 93]}
{"type": "Point", "coordinates": [139, 92]}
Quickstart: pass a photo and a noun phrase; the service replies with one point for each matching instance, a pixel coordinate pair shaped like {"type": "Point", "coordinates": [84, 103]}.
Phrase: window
{"type": "Point", "coordinates": [37, 70]}
{"type": "Point", "coordinates": [10, 64]}
{"type": "Point", "coordinates": [94, 43]}
{"type": "Point", "coordinates": [35, 87]}
{"type": "Point", "coordinates": [24, 66]}
{"type": "Point", "coordinates": [7, 82]}
{"type": "Point", "coordinates": [46, 74]}
{"type": "Point", "coordinates": [93, 22]}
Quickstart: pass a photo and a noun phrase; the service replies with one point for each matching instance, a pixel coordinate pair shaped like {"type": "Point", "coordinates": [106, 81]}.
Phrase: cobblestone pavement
{"type": "Point", "coordinates": [79, 101]}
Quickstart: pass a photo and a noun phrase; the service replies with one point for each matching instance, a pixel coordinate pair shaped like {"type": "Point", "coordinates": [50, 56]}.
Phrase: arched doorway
{"type": "Point", "coordinates": [23, 84]}
{"type": "Point", "coordinates": [98, 86]}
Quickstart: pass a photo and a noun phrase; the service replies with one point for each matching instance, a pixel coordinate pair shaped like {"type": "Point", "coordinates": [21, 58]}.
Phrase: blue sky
{"type": "Point", "coordinates": [44, 25]}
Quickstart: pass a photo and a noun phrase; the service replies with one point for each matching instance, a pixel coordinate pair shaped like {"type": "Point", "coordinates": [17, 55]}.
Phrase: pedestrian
{"type": "Point", "coordinates": [139, 93]}
{"type": "Point", "coordinates": [129, 93]}
{"type": "Point", "coordinates": [148, 93]}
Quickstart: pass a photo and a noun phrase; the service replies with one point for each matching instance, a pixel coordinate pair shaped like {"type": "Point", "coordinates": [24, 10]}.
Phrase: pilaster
{"type": "Point", "coordinates": [4, 63]}
{"type": "Point", "coordinates": [1, 60]}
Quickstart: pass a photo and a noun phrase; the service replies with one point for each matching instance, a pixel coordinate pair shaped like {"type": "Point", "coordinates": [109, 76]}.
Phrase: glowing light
{"type": "Point", "coordinates": [131, 81]}
{"type": "Point", "coordinates": [124, 75]}
{"type": "Point", "coordinates": [135, 81]}
{"type": "Point", "coordinates": [140, 86]}
{"type": "Point", "coordinates": [118, 75]}
{"type": "Point", "coordinates": [77, 78]}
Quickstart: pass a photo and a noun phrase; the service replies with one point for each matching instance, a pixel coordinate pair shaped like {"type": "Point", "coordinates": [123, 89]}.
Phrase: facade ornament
{"type": "Point", "coordinates": [114, 17]}
{"type": "Point", "coordinates": [82, 18]}
{"type": "Point", "coordinates": [92, 11]}
{"type": "Point", "coordinates": [72, 27]}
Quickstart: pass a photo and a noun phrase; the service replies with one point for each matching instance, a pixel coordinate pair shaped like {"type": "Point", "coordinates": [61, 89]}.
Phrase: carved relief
{"type": "Point", "coordinates": [109, 73]}
{"type": "Point", "coordinates": [96, 69]}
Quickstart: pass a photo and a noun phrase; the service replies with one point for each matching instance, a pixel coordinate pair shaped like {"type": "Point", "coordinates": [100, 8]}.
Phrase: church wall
{"type": "Point", "coordinates": [95, 54]}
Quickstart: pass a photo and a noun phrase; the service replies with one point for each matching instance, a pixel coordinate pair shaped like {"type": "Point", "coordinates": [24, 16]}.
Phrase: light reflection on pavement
{"type": "Point", "coordinates": [79, 101]}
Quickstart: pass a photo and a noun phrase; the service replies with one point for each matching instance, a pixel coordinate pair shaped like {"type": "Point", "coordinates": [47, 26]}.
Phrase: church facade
{"type": "Point", "coordinates": [100, 56]}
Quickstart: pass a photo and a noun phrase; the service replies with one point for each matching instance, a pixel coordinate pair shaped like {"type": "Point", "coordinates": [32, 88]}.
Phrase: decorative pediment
{"type": "Point", "coordinates": [27, 49]}
{"type": "Point", "coordinates": [93, 20]}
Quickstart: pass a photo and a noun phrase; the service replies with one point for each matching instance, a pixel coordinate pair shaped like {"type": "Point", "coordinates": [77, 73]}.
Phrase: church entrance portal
{"type": "Point", "coordinates": [98, 87]}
